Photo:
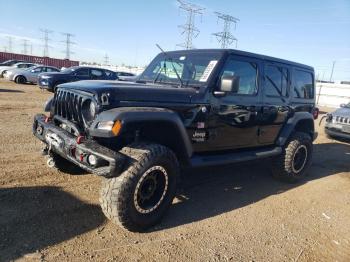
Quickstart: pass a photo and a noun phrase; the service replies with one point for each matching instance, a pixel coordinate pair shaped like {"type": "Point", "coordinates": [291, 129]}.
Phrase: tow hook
{"type": "Point", "coordinates": [51, 162]}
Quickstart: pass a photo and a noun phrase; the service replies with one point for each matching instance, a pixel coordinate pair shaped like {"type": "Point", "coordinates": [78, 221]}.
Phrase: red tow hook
{"type": "Point", "coordinates": [47, 119]}
{"type": "Point", "coordinates": [80, 139]}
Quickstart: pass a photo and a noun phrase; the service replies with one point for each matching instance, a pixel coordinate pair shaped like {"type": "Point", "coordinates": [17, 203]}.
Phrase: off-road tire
{"type": "Point", "coordinates": [283, 167]}
{"type": "Point", "coordinates": [117, 197]}
{"type": "Point", "coordinates": [20, 80]}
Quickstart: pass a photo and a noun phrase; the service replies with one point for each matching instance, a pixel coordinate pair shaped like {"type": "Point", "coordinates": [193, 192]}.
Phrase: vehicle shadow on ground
{"type": "Point", "coordinates": [4, 90]}
{"type": "Point", "coordinates": [212, 191]}
{"type": "Point", "coordinates": [33, 218]}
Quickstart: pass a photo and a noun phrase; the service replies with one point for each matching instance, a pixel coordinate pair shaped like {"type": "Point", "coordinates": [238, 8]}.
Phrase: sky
{"type": "Point", "coordinates": [314, 32]}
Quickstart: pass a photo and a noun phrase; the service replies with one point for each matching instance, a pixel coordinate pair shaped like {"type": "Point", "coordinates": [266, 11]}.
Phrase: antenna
{"type": "Point", "coordinates": [106, 59]}
{"type": "Point", "coordinates": [225, 37]}
{"type": "Point", "coordinates": [189, 29]}
{"type": "Point", "coordinates": [68, 43]}
{"type": "Point", "coordinates": [9, 46]}
{"type": "Point", "coordinates": [46, 39]}
{"type": "Point", "coordinates": [25, 46]}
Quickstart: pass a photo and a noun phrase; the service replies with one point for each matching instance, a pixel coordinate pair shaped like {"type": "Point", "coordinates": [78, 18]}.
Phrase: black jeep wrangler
{"type": "Point", "coordinates": [187, 109]}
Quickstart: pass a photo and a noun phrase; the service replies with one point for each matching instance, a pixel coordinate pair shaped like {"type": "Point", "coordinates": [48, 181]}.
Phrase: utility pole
{"type": "Point", "coordinates": [330, 79]}
{"type": "Point", "coordinates": [106, 59]}
{"type": "Point", "coordinates": [9, 46]}
{"type": "Point", "coordinates": [225, 37]}
{"type": "Point", "coordinates": [189, 29]}
{"type": "Point", "coordinates": [25, 46]}
{"type": "Point", "coordinates": [68, 43]}
{"type": "Point", "coordinates": [46, 40]}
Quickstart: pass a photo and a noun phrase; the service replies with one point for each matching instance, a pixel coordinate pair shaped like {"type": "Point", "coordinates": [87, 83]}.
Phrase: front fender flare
{"type": "Point", "coordinates": [129, 115]}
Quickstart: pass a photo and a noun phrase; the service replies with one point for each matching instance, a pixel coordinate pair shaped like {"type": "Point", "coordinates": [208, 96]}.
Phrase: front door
{"type": "Point", "coordinates": [233, 117]}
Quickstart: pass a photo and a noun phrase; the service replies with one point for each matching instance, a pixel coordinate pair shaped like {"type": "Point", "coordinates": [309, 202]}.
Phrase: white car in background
{"type": "Point", "coordinates": [21, 76]}
{"type": "Point", "coordinates": [3, 69]}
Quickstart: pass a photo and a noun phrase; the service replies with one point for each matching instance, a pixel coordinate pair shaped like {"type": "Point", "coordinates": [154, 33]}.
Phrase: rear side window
{"type": "Point", "coordinates": [303, 85]}
{"type": "Point", "coordinates": [247, 72]}
{"type": "Point", "coordinates": [276, 81]}
{"type": "Point", "coordinates": [82, 72]}
{"type": "Point", "coordinates": [96, 74]}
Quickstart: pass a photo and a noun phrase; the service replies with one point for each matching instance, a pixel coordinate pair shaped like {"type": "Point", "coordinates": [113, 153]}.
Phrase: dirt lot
{"type": "Point", "coordinates": [236, 213]}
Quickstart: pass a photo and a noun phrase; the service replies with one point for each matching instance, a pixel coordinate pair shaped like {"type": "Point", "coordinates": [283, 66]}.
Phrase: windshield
{"type": "Point", "coordinates": [192, 68]}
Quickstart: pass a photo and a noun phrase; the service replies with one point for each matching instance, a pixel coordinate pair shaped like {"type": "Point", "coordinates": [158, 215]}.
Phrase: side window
{"type": "Point", "coordinates": [50, 69]}
{"type": "Point", "coordinates": [276, 81]}
{"type": "Point", "coordinates": [22, 66]}
{"type": "Point", "coordinates": [108, 73]}
{"type": "Point", "coordinates": [38, 70]}
{"type": "Point", "coordinates": [96, 74]}
{"type": "Point", "coordinates": [247, 72]}
{"type": "Point", "coordinates": [303, 86]}
{"type": "Point", "coordinates": [82, 72]}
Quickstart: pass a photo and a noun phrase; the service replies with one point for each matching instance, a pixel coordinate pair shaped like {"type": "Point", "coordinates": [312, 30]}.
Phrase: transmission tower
{"type": "Point", "coordinates": [68, 43]}
{"type": "Point", "coordinates": [46, 39]}
{"type": "Point", "coordinates": [9, 43]}
{"type": "Point", "coordinates": [25, 46]}
{"type": "Point", "coordinates": [106, 59]}
{"type": "Point", "coordinates": [189, 29]}
{"type": "Point", "coordinates": [225, 37]}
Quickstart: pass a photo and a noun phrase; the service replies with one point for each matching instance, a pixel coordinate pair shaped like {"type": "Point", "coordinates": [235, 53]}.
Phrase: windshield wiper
{"type": "Point", "coordinates": [172, 64]}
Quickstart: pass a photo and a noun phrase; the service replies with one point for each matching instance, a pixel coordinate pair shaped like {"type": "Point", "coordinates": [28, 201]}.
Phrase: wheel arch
{"type": "Point", "coordinates": [155, 125]}
{"type": "Point", "coordinates": [300, 122]}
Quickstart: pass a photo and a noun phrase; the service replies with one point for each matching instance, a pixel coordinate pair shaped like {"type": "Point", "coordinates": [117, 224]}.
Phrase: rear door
{"type": "Point", "coordinates": [276, 95]}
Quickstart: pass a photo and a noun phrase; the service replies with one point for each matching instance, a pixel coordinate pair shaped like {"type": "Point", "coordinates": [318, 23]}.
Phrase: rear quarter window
{"type": "Point", "coordinates": [303, 85]}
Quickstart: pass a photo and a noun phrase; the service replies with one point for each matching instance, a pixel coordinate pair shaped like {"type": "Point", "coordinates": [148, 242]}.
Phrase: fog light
{"type": "Point", "coordinates": [92, 160]}
{"type": "Point", "coordinates": [39, 130]}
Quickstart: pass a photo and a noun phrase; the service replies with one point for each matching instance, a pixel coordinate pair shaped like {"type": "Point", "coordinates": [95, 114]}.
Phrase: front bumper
{"type": "Point", "coordinates": [65, 144]}
{"type": "Point", "coordinates": [337, 130]}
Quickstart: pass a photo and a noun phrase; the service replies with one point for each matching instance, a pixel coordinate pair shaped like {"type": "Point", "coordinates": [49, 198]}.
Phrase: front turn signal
{"type": "Point", "coordinates": [117, 127]}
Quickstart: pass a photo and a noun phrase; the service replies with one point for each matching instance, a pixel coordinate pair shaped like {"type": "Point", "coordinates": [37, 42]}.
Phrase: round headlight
{"type": "Point", "coordinates": [89, 110]}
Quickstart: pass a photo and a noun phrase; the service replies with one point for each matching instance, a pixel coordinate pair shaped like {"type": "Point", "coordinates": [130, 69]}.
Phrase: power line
{"type": "Point", "coordinates": [225, 37]}
{"type": "Point", "coordinates": [25, 46]}
{"type": "Point", "coordinates": [9, 43]}
{"type": "Point", "coordinates": [46, 39]}
{"type": "Point", "coordinates": [68, 43]}
{"type": "Point", "coordinates": [106, 59]}
{"type": "Point", "coordinates": [189, 29]}
{"type": "Point", "coordinates": [330, 79]}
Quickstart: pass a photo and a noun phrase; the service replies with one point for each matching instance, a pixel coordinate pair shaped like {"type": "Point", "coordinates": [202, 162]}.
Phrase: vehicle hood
{"type": "Point", "coordinates": [3, 68]}
{"type": "Point", "coordinates": [130, 91]}
{"type": "Point", "coordinates": [54, 74]}
{"type": "Point", "coordinates": [342, 112]}
{"type": "Point", "coordinates": [15, 71]}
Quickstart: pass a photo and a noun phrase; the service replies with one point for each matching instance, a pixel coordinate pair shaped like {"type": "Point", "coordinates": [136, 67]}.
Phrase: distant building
{"type": "Point", "coordinates": [38, 60]}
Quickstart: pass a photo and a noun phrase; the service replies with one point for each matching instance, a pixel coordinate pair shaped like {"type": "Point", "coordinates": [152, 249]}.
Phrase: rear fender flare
{"type": "Point", "coordinates": [290, 126]}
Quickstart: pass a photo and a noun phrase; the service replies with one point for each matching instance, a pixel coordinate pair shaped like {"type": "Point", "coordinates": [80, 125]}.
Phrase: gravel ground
{"type": "Point", "coordinates": [236, 213]}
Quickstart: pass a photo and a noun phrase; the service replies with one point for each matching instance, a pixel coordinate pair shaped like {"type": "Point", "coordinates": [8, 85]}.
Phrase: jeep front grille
{"type": "Point", "coordinates": [68, 105]}
{"type": "Point", "coordinates": [342, 120]}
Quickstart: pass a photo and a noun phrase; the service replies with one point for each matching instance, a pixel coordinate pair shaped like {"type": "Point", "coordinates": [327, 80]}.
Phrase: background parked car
{"type": "Point", "coordinates": [50, 81]}
{"type": "Point", "coordinates": [338, 122]}
{"type": "Point", "coordinates": [21, 76]}
{"type": "Point", "coordinates": [11, 62]}
{"type": "Point", "coordinates": [3, 69]}
{"type": "Point", "coordinates": [125, 76]}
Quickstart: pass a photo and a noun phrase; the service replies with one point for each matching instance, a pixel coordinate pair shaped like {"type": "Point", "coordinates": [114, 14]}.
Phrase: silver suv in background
{"type": "Point", "coordinates": [338, 122]}
{"type": "Point", "coordinates": [21, 76]}
{"type": "Point", "coordinates": [3, 69]}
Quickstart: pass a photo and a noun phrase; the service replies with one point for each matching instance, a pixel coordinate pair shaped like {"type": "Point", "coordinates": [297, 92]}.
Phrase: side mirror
{"type": "Point", "coordinates": [342, 105]}
{"type": "Point", "coordinates": [228, 83]}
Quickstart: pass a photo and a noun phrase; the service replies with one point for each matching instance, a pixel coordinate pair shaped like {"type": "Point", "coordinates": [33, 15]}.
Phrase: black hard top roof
{"type": "Point", "coordinates": [243, 53]}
